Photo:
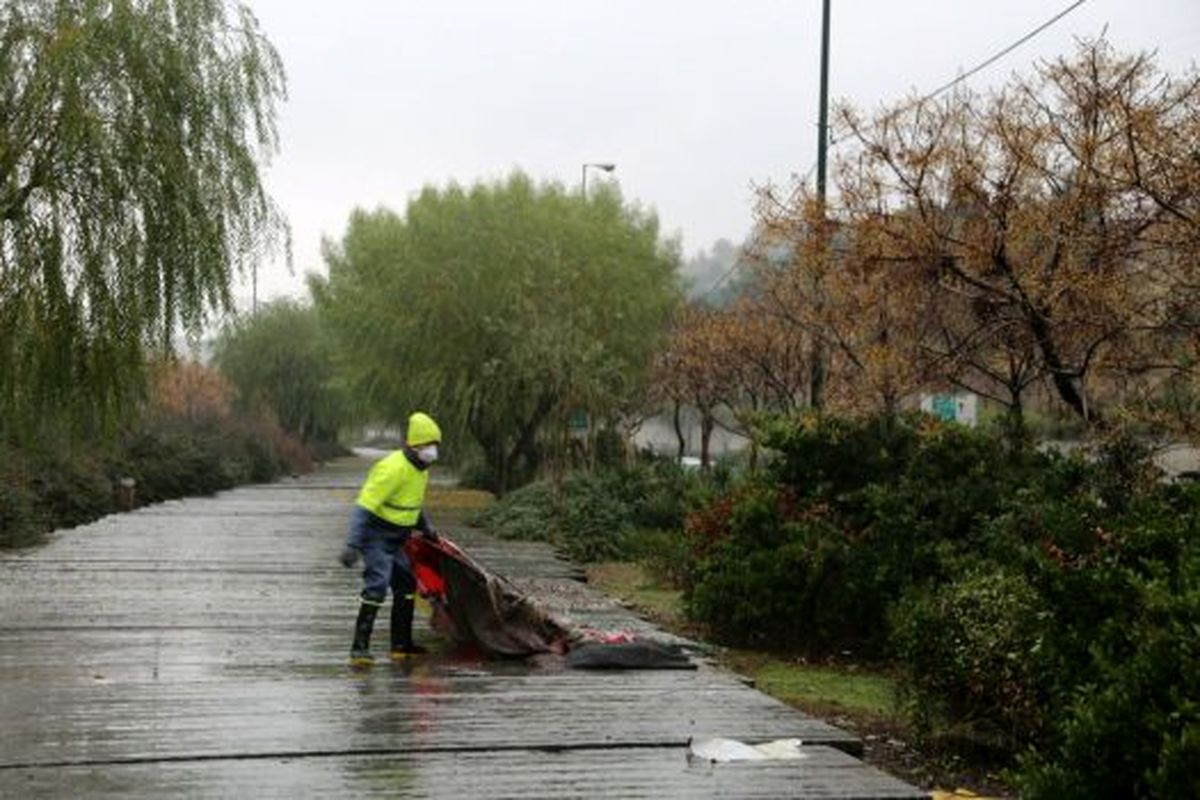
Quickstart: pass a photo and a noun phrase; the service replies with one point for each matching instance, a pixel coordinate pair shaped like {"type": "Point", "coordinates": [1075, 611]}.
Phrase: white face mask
{"type": "Point", "coordinates": [428, 453]}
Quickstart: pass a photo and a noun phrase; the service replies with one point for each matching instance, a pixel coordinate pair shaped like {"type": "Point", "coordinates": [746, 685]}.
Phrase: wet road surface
{"type": "Point", "coordinates": [198, 648]}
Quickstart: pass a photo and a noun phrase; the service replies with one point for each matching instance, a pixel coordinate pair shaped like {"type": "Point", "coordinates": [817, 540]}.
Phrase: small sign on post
{"type": "Point", "coordinates": [577, 423]}
{"type": "Point", "coordinates": [125, 494]}
{"type": "Point", "coordinates": [960, 407]}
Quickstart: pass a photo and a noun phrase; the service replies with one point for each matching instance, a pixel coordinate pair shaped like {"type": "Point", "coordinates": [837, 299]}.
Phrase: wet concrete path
{"type": "Point", "coordinates": [198, 648]}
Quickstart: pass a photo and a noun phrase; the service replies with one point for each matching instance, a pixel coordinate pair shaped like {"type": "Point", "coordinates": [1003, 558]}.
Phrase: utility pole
{"type": "Point", "coordinates": [823, 119]}
{"type": "Point", "coordinates": [817, 374]}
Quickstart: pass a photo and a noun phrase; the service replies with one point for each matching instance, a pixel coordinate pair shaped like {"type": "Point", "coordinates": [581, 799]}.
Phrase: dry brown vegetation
{"type": "Point", "coordinates": [1040, 239]}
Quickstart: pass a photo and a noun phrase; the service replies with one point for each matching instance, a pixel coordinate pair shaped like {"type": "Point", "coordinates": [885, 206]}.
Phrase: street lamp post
{"type": "Point", "coordinates": [578, 423]}
{"type": "Point", "coordinates": [604, 166]}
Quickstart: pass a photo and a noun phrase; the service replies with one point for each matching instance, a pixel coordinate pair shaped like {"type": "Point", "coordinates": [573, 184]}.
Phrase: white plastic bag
{"type": "Point", "coordinates": [720, 751]}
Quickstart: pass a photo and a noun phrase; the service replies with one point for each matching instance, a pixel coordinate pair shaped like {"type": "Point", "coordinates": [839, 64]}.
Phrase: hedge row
{"type": "Point", "coordinates": [1046, 608]}
{"type": "Point", "coordinates": [45, 488]}
{"type": "Point", "coordinates": [602, 515]}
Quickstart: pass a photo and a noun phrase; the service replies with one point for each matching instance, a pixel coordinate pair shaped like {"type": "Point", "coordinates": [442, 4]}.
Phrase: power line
{"type": "Point", "coordinates": [737, 262]}
{"type": "Point", "coordinates": [924, 99]}
{"type": "Point", "coordinates": [951, 84]}
{"type": "Point", "coordinates": [945, 87]}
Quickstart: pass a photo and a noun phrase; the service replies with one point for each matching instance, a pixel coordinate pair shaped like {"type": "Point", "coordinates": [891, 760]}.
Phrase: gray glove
{"type": "Point", "coordinates": [348, 557]}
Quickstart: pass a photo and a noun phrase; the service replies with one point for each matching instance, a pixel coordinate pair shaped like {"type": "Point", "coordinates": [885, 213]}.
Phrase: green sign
{"type": "Point", "coordinates": [945, 406]}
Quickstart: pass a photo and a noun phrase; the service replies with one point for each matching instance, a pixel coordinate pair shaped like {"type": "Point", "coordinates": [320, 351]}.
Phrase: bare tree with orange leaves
{"type": "Point", "coordinates": [765, 361]}
{"type": "Point", "coordinates": [690, 372]}
{"type": "Point", "coordinates": [1049, 231]}
{"type": "Point", "coordinates": [1060, 214]}
{"type": "Point", "coordinates": [849, 288]}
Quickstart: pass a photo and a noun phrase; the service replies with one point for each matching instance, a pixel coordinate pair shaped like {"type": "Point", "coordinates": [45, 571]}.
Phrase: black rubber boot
{"type": "Point", "coordinates": [360, 650]}
{"type": "Point", "coordinates": [402, 625]}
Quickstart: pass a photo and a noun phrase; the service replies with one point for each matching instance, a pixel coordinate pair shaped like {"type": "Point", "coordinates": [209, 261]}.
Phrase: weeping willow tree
{"type": "Point", "coordinates": [502, 309]}
{"type": "Point", "coordinates": [131, 136]}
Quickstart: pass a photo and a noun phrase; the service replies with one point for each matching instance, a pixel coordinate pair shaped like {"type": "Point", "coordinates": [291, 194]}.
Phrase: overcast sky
{"type": "Point", "coordinates": [695, 101]}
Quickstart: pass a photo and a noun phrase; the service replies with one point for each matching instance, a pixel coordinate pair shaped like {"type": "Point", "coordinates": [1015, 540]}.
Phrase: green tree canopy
{"type": "Point", "coordinates": [500, 308]}
{"type": "Point", "coordinates": [131, 133]}
{"type": "Point", "coordinates": [280, 361]}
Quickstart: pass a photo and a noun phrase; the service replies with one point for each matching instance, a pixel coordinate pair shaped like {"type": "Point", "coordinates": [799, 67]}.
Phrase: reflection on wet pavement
{"type": "Point", "coordinates": [199, 647]}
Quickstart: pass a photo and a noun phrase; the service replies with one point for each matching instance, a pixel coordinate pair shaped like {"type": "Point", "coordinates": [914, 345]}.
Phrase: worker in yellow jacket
{"type": "Point", "coordinates": [388, 511]}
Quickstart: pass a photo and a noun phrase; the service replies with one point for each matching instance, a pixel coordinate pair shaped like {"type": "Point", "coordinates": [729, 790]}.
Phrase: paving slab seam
{"type": "Point", "coordinates": [32, 566]}
{"type": "Point", "coordinates": [148, 628]}
{"type": "Point", "coordinates": [215, 514]}
{"type": "Point", "coordinates": [349, 753]}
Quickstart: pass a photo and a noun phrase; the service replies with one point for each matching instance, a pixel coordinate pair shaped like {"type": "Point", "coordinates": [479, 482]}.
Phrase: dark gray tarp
{"type": "Point", "coordinates": [481, 609]}
{"type": "Point", "coordinates": [635, 654]}
{"type": "Point", "coordinates": [491, 613]}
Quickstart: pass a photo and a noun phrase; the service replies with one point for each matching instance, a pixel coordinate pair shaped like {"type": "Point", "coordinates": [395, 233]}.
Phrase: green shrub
{"type": "Point", "coordinates": [177, 459]}
{"type": "Point", "coordinates": [1031, 600]}
{"type": "Point", "coordinates": [175, 463]}
{"type": "Point", "coordinates": [62, 483]}
{"type": "Point", "coordinates": [593, 520]}
{"type": "Point", "coordinates": [1132, 728]}
{"type": "Point", "coordinates": [780, 576]}
{"type": "Point", "coordinates": [45, 489]}
{"type": "Point", "coordinates": [526, 513]}
{"type": "Point", "coordinates": [1108, 608]}
{"type": "Point", "coordinates": [71, 489]}
{"type": "Point", "coordinates": [971, 656]}
{"type": "Point", "coordinates": [594, 516]}
{"type": "Point", "coordinates": [902, 498]}
{"type": "Point", "coordinates": [778, 597]}
{"type": "Point", "coordinates": [666, 553]}
{"type": "Point", "coordinates": [20, 525]}
{"type": "Point", "coordinates": [821, 457]}
{"type": "Point", "coordinates": [1126, 470]}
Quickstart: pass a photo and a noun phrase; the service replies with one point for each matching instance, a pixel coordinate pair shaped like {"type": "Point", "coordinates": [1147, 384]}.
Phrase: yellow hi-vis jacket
{"type": "Point", "coordinates": [395, 490]}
